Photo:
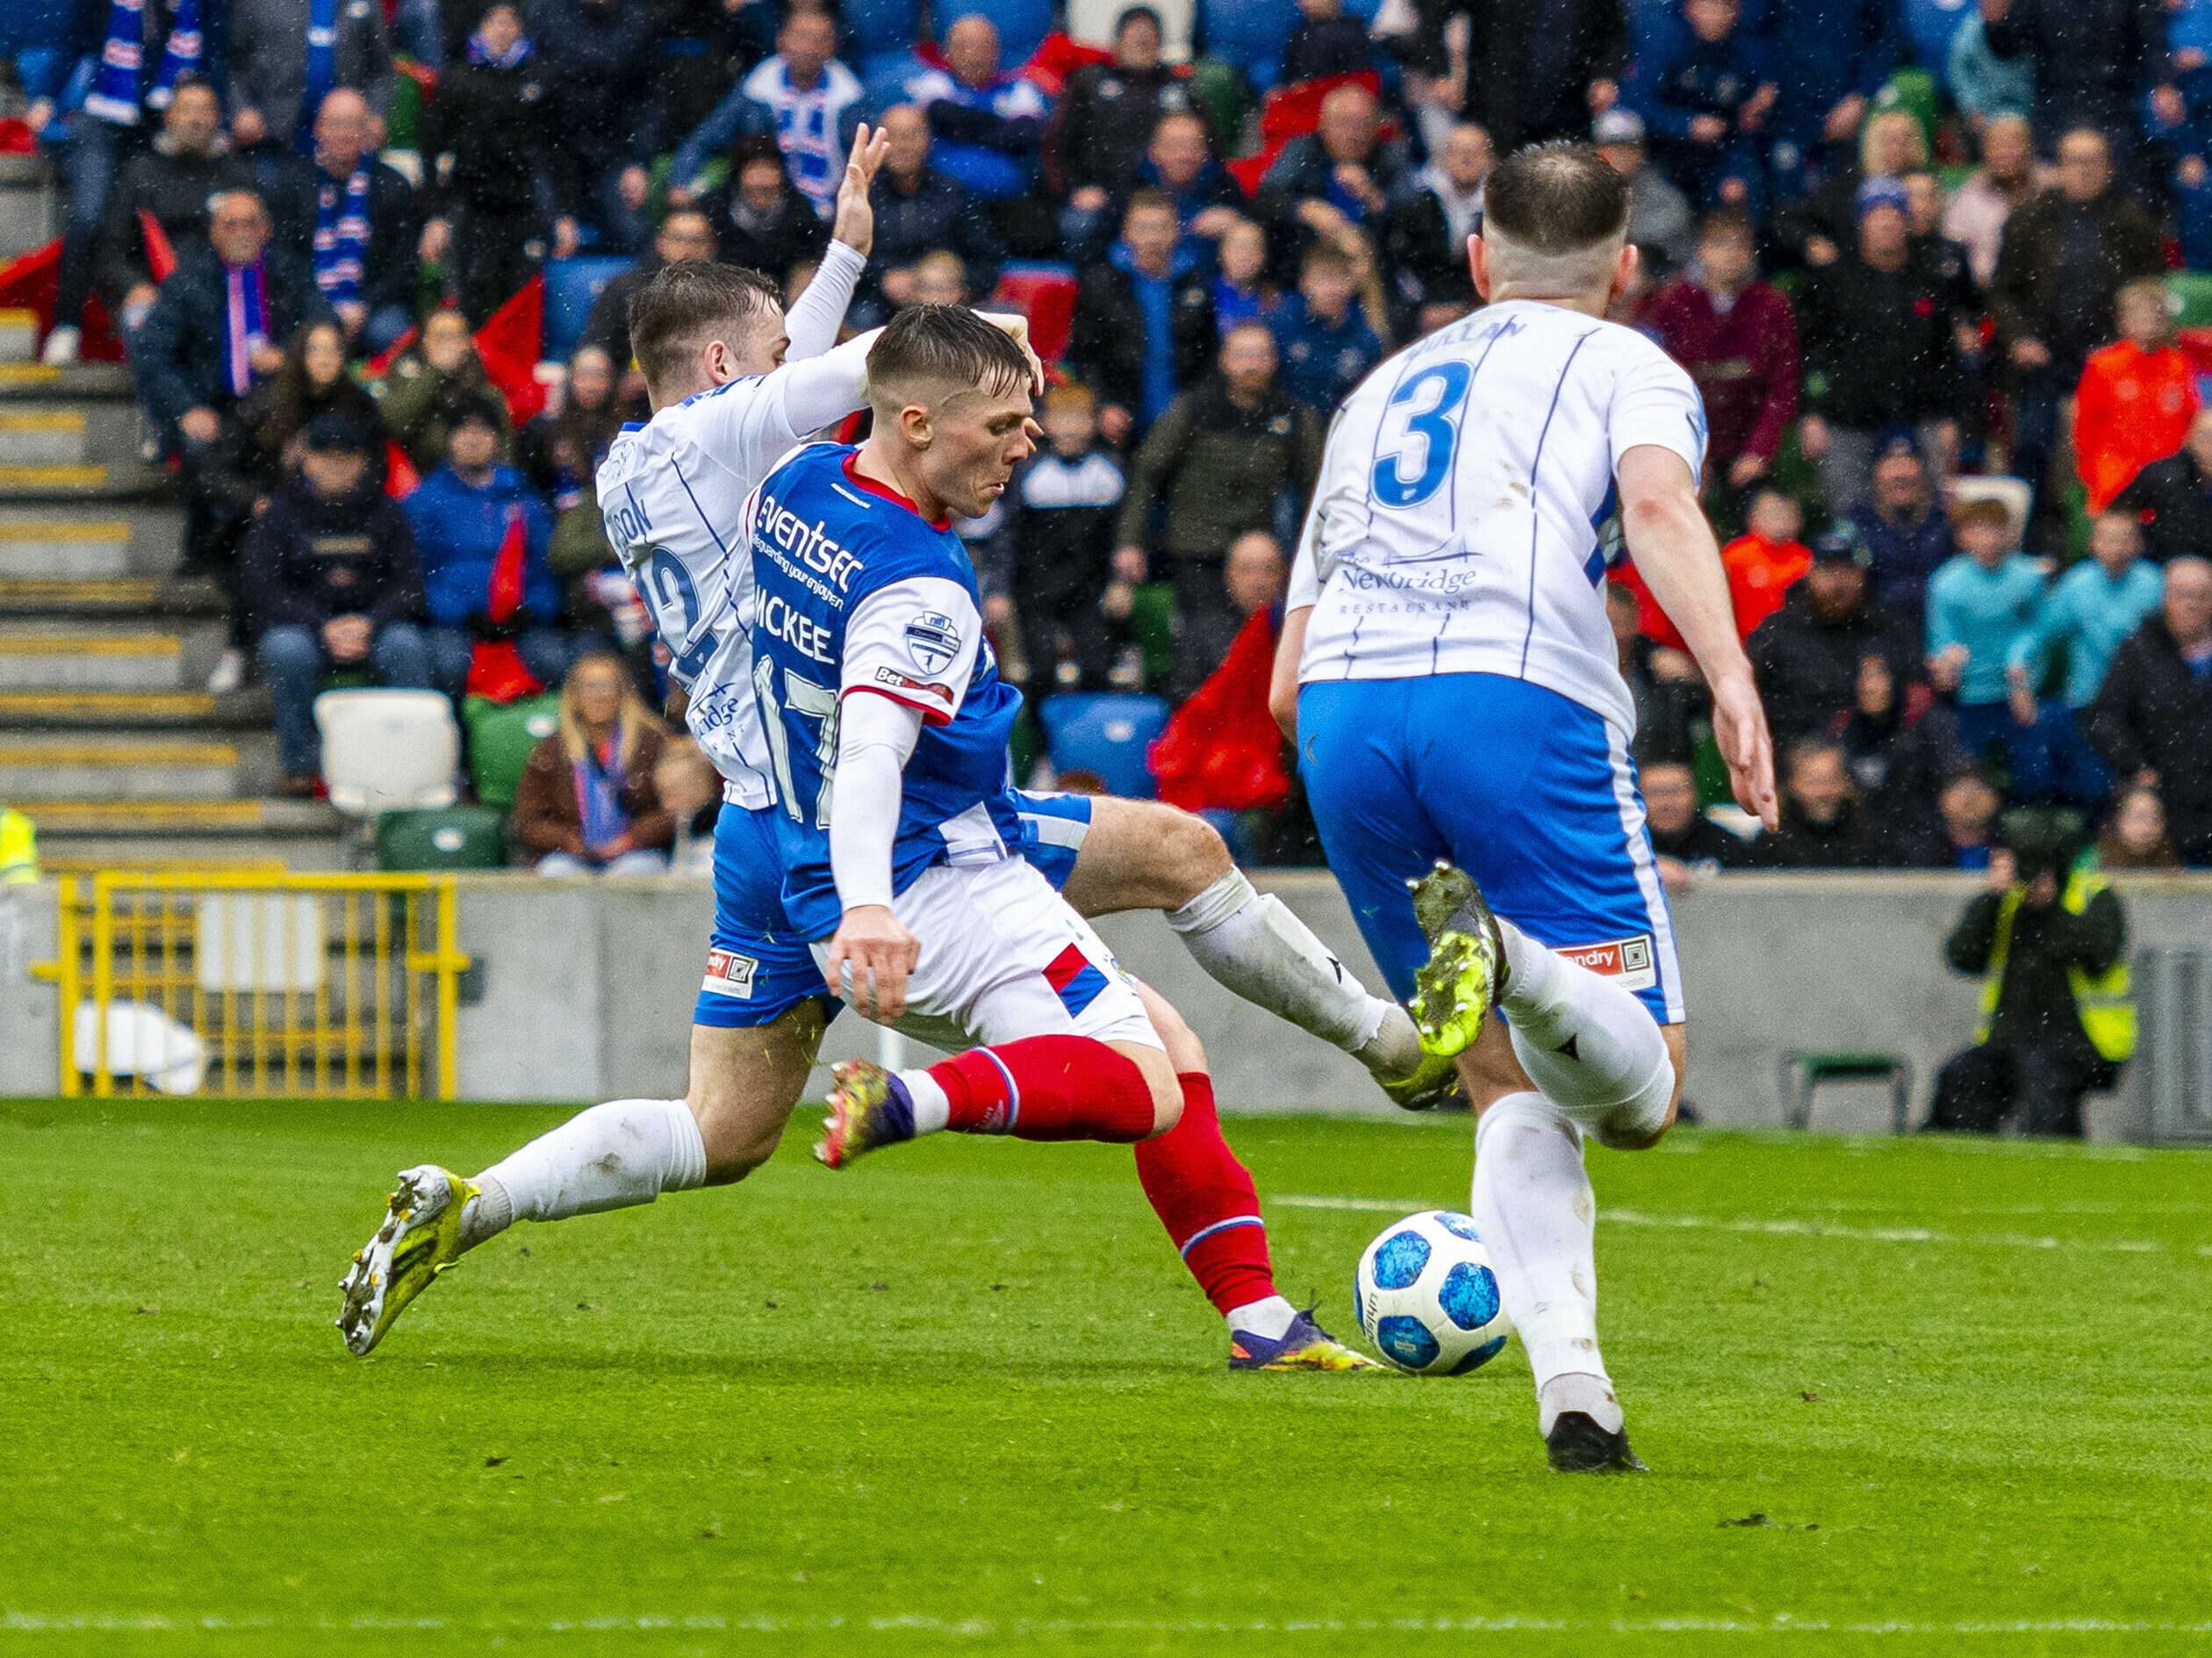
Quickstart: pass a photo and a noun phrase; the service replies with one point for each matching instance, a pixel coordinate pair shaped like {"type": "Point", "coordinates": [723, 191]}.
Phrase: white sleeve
{"type": "Point", "coordinates": [1655, 401]}
{"type": "Point", "coordinates": [1307, 576]}
{"type": "Point", "coordinates": [815, 316]}
{"type": "Point", "coordinates": [875, 739]}
{"type": "Point", "coordinates": [915, 642]}
{"type": "Point", "coordinates": [748, 425]}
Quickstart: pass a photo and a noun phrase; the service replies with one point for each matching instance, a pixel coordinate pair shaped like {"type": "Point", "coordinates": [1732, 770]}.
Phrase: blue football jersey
{"type": "Point", "coordinates": [856, 589]}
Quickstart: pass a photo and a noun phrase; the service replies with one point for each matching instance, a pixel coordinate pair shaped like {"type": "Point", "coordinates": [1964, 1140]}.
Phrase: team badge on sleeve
{"type": "Point", "coordinates": [933, 641]}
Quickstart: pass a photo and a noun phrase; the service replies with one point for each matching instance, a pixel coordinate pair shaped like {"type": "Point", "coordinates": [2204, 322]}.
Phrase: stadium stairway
{"type": "Point", "coordinates": [107, 740]}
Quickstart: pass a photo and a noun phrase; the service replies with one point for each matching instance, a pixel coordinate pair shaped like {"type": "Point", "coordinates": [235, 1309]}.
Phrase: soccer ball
{"type": "Point", "coordinates": [1427, 1297]}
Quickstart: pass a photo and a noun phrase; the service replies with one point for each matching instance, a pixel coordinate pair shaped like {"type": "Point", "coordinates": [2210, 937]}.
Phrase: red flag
{"type": "Point", "coordinates": [161, 258]}
{"type": "Point", "coordinates": [510, 344]}
{"type": "Point", "coordinates": [30, 282]}
{"type": "Point", "coordinates": [495, 667]}
{"type": "Point", "coordinates": [401, 479]}
{"type": "Point", "coordinates": [1222, 749]}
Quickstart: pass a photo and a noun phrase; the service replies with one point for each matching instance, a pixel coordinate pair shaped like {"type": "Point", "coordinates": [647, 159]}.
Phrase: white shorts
{"type": "Point", "coordinates": [1004, 957]}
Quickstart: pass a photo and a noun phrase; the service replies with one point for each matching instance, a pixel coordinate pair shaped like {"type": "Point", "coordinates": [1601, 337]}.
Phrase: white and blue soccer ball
{"type": "Point", "coordinates": [1428, 1297]}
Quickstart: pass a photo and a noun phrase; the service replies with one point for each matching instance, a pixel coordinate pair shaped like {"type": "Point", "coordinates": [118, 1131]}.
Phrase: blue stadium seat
{"type": "Point", "coordinates": [571, 285]}
{"type": "Point", "coordinates": [1249, 33]}
{"type": "Point", "coordinates": [1107, 733]}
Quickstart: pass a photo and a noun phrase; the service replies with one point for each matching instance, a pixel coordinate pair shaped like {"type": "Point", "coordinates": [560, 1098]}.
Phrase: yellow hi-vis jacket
{"type": "Point", "coordinates": [2104, 1002]}
{"type": "Point", "coordinates": [19, 847]}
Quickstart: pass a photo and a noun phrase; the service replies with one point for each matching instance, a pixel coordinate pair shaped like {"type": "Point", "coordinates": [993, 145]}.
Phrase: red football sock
{"type": "Point", "coordinates": [1205, 1199]}
{"type": "Point", "coordinates": [1047, 1088]}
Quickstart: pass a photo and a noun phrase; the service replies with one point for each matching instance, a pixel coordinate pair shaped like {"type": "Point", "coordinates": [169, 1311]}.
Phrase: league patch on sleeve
{"type": "Point", "coordinates": [933, 641]}
{"type": "Point", "coordinates": [730, 974]}
{"type": "Point", "coordinates": [1627, 959]}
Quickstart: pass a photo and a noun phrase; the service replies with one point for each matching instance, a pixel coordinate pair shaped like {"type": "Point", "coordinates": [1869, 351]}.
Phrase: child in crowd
{"type": "Point", "coordinates": [1326, 344]}
{"type": "Point", "coordinates": [1242, 292]}
{"type": "Point", "coordinates": [1072, 592]}
{"type": "Point", "coordinates": [1764, 561]}
{"type": "Point", "coordinates": [1982, 601]}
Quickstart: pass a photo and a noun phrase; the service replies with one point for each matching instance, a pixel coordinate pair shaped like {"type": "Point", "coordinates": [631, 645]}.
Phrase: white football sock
{"type": "Point", "coordinates": [1269, 1319]}
{"type": "Point", "coordinates": [1252, 944]}
{"type": "Point", "coordinates": [1535, 1209]}
{"type": "Point", "coordinates": [614, 1156]}
{"type": "Point", "coordinates": [1591, 1046]}
{"type": "Point", "coordinates": [932, 1110]}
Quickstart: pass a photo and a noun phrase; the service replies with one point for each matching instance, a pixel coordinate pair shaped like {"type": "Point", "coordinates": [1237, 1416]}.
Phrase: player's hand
{"type": "Point", "coordinates": [855, 225]}
{"type": "Point", "coordinates": [877, 955]}
{"type": "Point", "coordinates": [1018, 327]}
{"type": "Point", "coordinates": [1740, 727]}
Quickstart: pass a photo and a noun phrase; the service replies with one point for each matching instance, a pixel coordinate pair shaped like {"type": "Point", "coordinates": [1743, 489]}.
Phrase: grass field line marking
{"type": "Point", "coordinates": [922, 1623]}
{"type": "Point", "coordinates": [1777, 1226]}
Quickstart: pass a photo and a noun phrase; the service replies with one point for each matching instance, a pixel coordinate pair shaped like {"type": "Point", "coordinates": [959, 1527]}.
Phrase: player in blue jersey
{"type": "Point", "coordinates": [711, 341]}
{"type": "Point", "coordinates": [1449, 676]}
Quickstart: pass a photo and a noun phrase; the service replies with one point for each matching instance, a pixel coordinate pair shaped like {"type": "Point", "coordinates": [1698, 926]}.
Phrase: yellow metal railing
{"type": "Point", "coordinates": [239, 982]}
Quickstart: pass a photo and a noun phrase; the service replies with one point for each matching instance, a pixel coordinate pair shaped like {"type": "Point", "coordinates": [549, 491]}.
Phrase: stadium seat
{"type": "Point", "coordinates": [1249, 33]}
{"type": "Point", "coordinates": [571, 287]}
{"type": "Point", "coordinates": [387, 750]}
{"type": "Point", "coordinates": [1802, 1070]}
{"type": "Point", "coordinates": [1046, 294]}
{"type": "Point", "coordinates": [1092, 22]}
{"type": "Point", "coordinates": [2191, 291]}
{"type": "Point", "coordinates": [1107, 734]}
{"type": "Point", "coordinates": [501, 738]}
{"type": "Point", "coordinates": [456, 837]}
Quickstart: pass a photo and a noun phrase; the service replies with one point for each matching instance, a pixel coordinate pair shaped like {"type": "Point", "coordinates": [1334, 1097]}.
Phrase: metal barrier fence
{"type": "Point", "coordinates": [234, 983]}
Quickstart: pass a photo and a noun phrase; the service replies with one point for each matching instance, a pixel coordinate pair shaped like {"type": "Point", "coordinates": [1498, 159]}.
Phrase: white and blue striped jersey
{"type": "Point", "coordinates": [1466, 510]}
{"type": "Point", "coordinates": [672, 493]}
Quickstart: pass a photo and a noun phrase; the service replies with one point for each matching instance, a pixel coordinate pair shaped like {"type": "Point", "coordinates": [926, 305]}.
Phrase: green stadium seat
{"type": "Point", "coordinates": [453, 837]}
{"type": "Point", "coordinates": [1803, 1070]}
{"type": "Point", "coordinates": [501, 738]}
{"type": "Point", "coordinates": [2192, 291]}
{"type": "Point", "coordinates": [1152, 619]}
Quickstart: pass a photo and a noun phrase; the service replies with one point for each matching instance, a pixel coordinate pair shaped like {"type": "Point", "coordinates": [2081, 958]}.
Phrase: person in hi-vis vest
{"type": "Point", "coordinates": [2049, 938]}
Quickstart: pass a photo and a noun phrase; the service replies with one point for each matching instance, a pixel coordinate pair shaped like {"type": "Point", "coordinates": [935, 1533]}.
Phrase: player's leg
{"type": "Point", "coordinates": [1206, 1200]}
{"type": "Point", "coordinates": [1555, 869]}
{"type": "Point", "coordinates": [758, 1020]}
{"type": "Point", "coordinates": [1532, 1204]}
{"type": "Point", "coordinates": [1143, 855]}
{"type": "Point", "coordinates": [1066, 1053]}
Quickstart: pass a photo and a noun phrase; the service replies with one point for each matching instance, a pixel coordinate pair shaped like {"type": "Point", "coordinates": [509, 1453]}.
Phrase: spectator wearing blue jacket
{"type": "Point", "coordinates": [803, 97]}
{"type": "Point", "coordinates": [1326, 344]}
{"type": "Point", "coordinates": [2091, 611]}
{"type": "Point", "coordinates": [1706, 106]}
{"type": "Point", "coordinates": [1980, 604]}
{"type": "Point", "coordinates": [1828, 58]}
{"type": "Point", "coordinates": [1904, 526]}
{"type": "Point", "coordinates": [989, 123]}
{"type": "Point", "coordinates": [1984, 85]}
{"type": "Point", "coordinates": [459, 517]}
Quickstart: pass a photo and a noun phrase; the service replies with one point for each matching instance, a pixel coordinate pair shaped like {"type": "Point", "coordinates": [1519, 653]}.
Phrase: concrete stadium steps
{"type": "Point", "coordinates": [156, 833]}
{"type": "Point", "coordinates": [134, 765]}
{"type": "Point", "coordinates": [36, 432]}
{"type": "Point", "coordinates": [121, 596]}
{"type": "Point", "coordinates": [48, 543]}
{"type": "Point", "coordinates": [109, 710]}
{"type": "Point", "coordinates": [39, 654]}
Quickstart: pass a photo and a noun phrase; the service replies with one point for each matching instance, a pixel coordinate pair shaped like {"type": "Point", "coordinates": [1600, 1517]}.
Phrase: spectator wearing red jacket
{"type": "Point", "coordinates": [2137, 397]}
{"type": "Point", "coordinates": [1735, 335]}
{"type": "Point", "coordinates": [1762, 562]}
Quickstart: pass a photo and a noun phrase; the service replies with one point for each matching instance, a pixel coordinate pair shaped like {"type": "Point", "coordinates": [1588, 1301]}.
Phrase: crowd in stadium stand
{"type": "Point", "coordinates": [1910, 250]}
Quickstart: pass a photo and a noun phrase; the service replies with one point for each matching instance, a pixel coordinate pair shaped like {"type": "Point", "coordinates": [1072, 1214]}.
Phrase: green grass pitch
{"type": "Point", "coordinates": [1924, 1396]}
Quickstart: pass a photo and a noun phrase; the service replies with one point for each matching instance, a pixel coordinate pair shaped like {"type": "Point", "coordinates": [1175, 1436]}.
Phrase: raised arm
{"type": "Point", "coordinates": [819, 312]}
{"type": "Point", "coordinates": [875, 738]}
{"type": "Point", "coordinates": [1675, 553]}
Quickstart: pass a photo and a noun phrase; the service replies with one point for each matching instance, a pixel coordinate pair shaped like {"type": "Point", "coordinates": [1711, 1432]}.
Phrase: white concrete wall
{"type": "Point", "coordinates": [586, 990]}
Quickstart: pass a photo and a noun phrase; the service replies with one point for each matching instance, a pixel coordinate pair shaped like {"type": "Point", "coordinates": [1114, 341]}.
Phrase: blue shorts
{"type": "Point", "coordinates": [758, 966]}
{"type": "Point", "coordinates": [1531, 793]}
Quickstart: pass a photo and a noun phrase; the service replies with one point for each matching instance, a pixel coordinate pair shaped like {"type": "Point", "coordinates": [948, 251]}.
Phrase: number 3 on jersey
{"type": "Point", "coordinates": [1427, 407]}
